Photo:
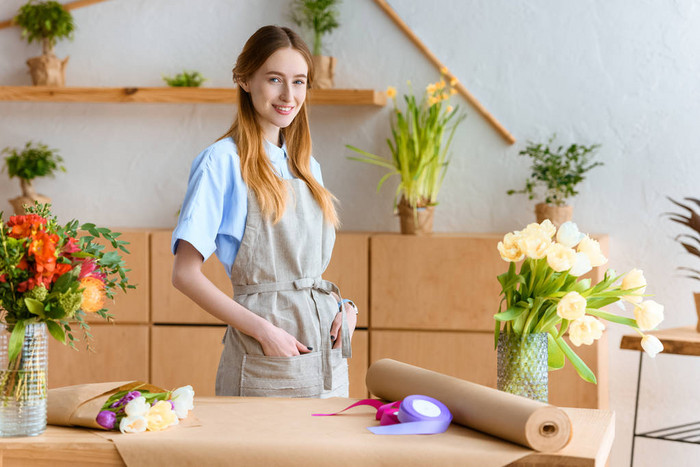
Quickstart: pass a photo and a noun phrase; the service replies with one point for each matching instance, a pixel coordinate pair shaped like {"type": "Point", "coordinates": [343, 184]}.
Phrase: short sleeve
{"type": "Point", "coordinates": [213, 214]}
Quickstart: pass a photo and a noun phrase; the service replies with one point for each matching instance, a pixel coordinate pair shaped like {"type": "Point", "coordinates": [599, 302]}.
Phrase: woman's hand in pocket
{"type": "Point", "coordinates": [337, 326]}
{"type": "Point", "coordinates": [276, 342]}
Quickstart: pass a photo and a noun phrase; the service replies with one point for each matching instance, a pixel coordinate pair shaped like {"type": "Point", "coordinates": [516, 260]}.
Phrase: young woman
{"type": "Point", "coordinates": [256, 198]}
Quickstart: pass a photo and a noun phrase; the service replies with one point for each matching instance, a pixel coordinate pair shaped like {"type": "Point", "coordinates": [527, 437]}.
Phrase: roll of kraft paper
{"type": "Point", "coordinates": [532, 424]}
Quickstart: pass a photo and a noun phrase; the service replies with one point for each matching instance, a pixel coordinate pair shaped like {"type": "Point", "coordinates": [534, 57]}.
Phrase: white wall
{"type": "Point", "coordinates": [615, 72]}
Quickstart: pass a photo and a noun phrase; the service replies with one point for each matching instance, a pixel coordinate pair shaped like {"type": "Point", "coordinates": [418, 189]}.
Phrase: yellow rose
{"type": "Point", "coordinates": [633, 279]}
{"type": "Point", "coordinates": [161, 416]}
{"type": "Point", "coordinates": [509, 248]}
{"type": "Point", "coordinates": [585, 330]}
{"type": "Point", "coordinates": [648, 315]}
{"type": "Point", "coordinates": [572, 306]}
{"type": "Point", "coordinates": [534, 243]}
{"type": "Point", "coordinates": [391, 92]}
{"type": "Point", "coordinates": [592, 249]}
{"type": "Point", "coordinates": [561, 258]}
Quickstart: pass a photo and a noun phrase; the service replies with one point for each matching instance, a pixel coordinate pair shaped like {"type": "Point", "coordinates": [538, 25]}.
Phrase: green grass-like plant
{"type": "Point", "coordinates": [557, 169]}
{"type": "Point", "coordinates": [188, 79]}
{"type": "Point", "coordinates": [318, 16]}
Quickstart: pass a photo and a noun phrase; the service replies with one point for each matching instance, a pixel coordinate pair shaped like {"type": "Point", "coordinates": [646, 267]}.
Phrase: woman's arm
{"type": "Point", "coordinates": [189, 279]}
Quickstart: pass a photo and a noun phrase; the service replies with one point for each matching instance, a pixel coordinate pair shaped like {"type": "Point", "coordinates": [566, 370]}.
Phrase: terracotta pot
{"type": "Point", "coordinates": [418, 222]}
{"type": "Point", "coordinates": [324, 70]}
{"type": "Point", "coordinates": [19, 202]}
{"type": "Point", "coordinates": [697, 309]}
{"type": "Point", "coordinates": [556, 214]}
{"type": "Point", "coordinates": [48, 70]}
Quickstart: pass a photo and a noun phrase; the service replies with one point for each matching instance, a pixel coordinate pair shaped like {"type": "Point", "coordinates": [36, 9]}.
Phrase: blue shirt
{"type": "Point", "coordinates": [215, 208]}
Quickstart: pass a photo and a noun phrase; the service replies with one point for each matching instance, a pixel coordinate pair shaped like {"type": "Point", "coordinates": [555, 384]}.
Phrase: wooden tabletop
{"type": "Point", "coordinates": [680, 341]}
{"type": "Point", "coordinates": [593, 433]}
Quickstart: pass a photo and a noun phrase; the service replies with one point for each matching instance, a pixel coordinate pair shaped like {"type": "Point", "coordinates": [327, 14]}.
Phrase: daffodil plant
{"type": "Point", "coordinates": [422, 135]}
{"type": "Point", "coordinates": [548, 294]}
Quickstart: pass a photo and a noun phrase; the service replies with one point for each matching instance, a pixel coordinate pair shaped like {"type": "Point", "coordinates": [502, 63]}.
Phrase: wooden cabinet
{"type": "Point", "coordinates": [169, 305]}
{"type": "Point", "coordinates": [427, 301]}
{"type": "Point", "coordinates": [120, 353]}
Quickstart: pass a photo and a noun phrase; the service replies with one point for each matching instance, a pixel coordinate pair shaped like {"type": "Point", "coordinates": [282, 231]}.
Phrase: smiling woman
{"type": "Point", "coordinates": [288, 334]}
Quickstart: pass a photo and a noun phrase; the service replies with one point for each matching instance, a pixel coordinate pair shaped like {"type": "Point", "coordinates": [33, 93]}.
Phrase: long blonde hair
{"type": "Point", "coordinates": [256, 169]}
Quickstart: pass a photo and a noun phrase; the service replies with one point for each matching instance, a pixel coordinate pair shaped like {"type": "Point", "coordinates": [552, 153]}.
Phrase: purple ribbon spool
{"type": "Point", "coordinates": [419, 415]}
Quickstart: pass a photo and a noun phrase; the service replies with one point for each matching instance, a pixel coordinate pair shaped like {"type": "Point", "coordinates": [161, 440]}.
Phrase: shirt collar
{"type": "Point", "coordinates": [275, 153]}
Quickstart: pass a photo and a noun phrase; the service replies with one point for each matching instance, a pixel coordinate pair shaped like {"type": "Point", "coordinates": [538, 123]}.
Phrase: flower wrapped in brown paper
{"type": "Point", "coordinates": [79, 405]}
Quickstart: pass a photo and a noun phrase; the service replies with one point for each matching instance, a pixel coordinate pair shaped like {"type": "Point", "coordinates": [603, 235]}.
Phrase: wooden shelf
{"type": "Point", "coordinates": [680, 341]}
{"type": "Point", "coordinates": [176, 95]}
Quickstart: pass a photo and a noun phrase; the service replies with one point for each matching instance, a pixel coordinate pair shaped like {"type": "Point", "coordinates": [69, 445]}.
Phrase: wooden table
{"type": "Point", "coordinates": [679, 341]}
{"type": "Point", "coordinates": [593, 432]}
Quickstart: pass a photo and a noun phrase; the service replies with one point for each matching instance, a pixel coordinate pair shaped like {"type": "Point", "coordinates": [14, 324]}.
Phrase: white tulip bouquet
{"type": "Point", "coordinates": [548, 295]}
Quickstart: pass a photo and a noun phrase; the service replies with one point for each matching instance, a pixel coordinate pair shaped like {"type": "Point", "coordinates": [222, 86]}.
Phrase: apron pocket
{"type": "Point", "coordinates": [340, 370]}
{"type": "Point", "coordinates": [298, 376]}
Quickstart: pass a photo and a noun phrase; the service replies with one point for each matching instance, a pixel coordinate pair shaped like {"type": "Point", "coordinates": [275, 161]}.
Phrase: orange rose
{"type": "Point", "coordinates": [93, 294]}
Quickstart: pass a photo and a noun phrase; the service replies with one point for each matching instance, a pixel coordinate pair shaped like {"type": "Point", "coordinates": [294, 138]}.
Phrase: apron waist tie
{"type": "Point", "coordinates": [317, 284]}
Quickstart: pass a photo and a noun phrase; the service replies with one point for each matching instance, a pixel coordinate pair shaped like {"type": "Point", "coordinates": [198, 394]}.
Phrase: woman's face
{"type": "Point", "coordinates": [278, 89]}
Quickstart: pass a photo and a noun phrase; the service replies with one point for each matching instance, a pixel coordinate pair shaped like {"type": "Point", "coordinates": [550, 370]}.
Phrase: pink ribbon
{"type": "Point", "coordinates": [415, 415]}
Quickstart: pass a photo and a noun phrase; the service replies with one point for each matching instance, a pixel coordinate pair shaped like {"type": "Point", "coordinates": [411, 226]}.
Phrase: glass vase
{"type": "Point", "coordinates": [23, 383]}
{"type": "Point", "coordinates": [522, 365]}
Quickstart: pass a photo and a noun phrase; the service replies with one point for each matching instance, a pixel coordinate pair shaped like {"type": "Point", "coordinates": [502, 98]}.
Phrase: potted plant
{"type": "Point", "coordinates": [187, 79]}
{"type": "Point", "coordinates": [28, 164]}
{"type": "Point", "coordinates": [558, 170]}
{"type": "Point", "coordinates": [47, 22]}
{"type": "Point", "coordinates": [419, 153]}
{"type": "Point", "coordinates": [320, 17]}
{"type": "Point", "coordinates": [691, 242]}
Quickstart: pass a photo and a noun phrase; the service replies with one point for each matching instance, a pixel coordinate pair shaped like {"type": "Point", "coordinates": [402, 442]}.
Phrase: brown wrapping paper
{"type": "Point", "coordinates": [533, 424]}
{"type": "Point", "coordinates": [79, 405]}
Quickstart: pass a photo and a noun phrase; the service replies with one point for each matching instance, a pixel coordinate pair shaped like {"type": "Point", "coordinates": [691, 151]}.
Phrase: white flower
{"type": "Point", "coordinates": [633, 279]}
{"type": "Point", "coordinates": [572, 306]}
{"type": "Point", "coordinates": [581, 266]}
{"type": "Point", "coordinates": [137, 407]}
{"type": "Point", "coordinates": [569, 235]}
{"type": "Point", "coordinates": [509, 248]}
{"type": "Point", "coordinates": [548, 228]}
{"type": "Point", "coordinates": [585, 330]}
{"type": "Point", "coordinates": [652, 345]}
{"type": "Point", "coordinates": [534, 243]}
{"type": "Point", "coordinates": [136, 424]}
{"type": "Point", "coordinates": [545, 228]}
{"type": "Point", "coordinates": [648, 315]}
{"type": "Point", "coordinates": [183, 400]}
{"type": "Point", "coordinates": [560, 258]}
{"type": "Point", "coordinates": [592, 249]}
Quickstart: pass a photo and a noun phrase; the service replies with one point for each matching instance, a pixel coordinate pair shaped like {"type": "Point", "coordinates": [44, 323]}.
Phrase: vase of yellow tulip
{"type": "Point", "coordinates": [548, 297]}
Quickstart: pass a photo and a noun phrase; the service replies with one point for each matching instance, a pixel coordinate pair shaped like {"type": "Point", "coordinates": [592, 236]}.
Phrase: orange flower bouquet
{"type": "Point", "coordinates": [52, 276]}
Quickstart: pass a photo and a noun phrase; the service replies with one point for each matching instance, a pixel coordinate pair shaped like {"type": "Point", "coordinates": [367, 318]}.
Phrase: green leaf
{"type": "Point", "coordinates": [555, 357]}
{"type": "Point", "coordinates": [16, 340]}
{"type": "Point", "coordinates": [510, 314]}
{"type": "Point", "coordinates": [56, 331]}
{"type": "Point", "coordinates": [35, 307]}
{"type": "Point", "coordinates": [581, 368]}
{"type": "Point", "coordinates": [613, 318]}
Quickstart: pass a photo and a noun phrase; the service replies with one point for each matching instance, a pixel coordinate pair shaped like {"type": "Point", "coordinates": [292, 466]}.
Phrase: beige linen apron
{"type": "Point", "coordinates": [277, 275]}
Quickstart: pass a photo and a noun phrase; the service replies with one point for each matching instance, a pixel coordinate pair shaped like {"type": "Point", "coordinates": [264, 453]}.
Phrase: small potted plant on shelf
{"type": "Point", "coordinates": [558, 170]}
{"type": "Point", "coordinates": [27, 164]}
{"type": "Point", "coordinates": [186, 79]}
{"type": "Point", "coordinates": [420, 153]}
{"type": "Point", "coordinates": [320, 17]}
{"type": "Point", "coordinates": [47, 22]}
{"type": "Point", "coordinates": [691, 242]}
